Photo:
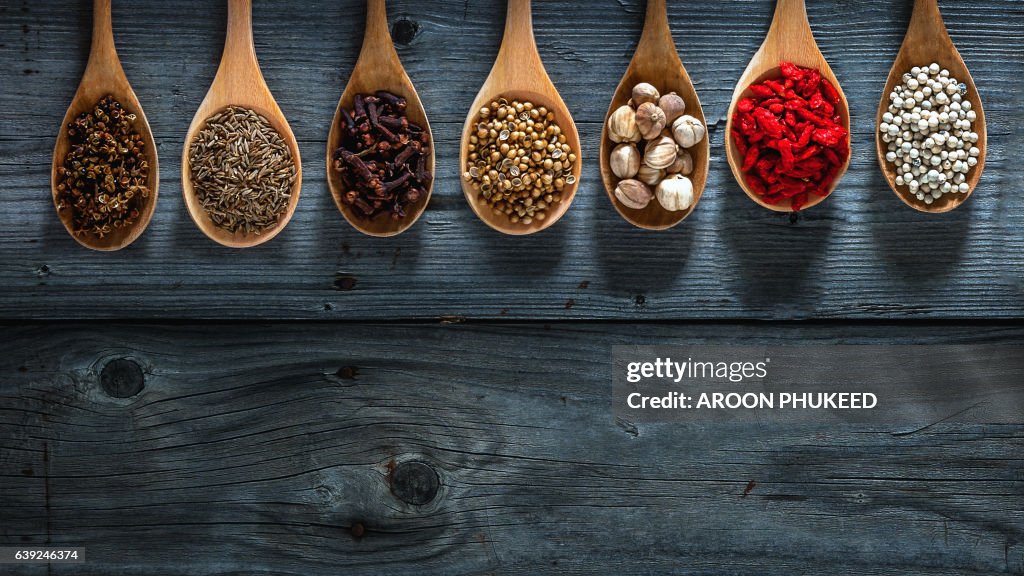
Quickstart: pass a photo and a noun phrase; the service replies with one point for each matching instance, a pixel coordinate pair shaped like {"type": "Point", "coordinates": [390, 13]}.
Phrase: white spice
{"type": "Point", "coordinates": [928, 132]}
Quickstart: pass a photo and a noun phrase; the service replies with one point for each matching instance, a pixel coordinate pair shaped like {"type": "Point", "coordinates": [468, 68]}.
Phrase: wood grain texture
{"type": "Point", "coordinates": [861, 255]}
{"type": "Point", "coordinates": [271, 451]}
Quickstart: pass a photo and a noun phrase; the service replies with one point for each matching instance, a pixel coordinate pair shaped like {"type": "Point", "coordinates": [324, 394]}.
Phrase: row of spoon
{"type": "Point", "coordinates": [789, 39]}
{"type": "Point", "coordinates": [518, 73]}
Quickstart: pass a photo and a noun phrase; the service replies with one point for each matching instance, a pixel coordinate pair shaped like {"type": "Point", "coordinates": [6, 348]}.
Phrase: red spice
{"type": "Point", "coordinates": [791, 136]}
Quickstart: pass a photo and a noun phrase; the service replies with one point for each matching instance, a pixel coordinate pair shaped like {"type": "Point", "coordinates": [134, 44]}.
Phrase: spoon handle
{"type": "Point", "coordinates": [656, 29]}
{"type": "Point", "coordinates": [798, 9]}
{"type": "Point", "coordinates": [103, 50]}
{"type": "Point", "coordinates": [790, 22]}
{"type": "Point", "coordinates": [376, 24]}
{"type": "Point", "coordinates": [378, 51]}
{"type": "Point", "coordinates": [518, 48]}
{"type": "Point", "coordinates": [928, 8]}
{"type": "Point", "coordinates": [927, 16]}
{"type": "Point", "coordinates": [239, 51]}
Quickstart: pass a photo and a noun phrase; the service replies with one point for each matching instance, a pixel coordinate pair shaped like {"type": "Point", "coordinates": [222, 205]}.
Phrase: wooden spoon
{"type": "Point", "coordinates": [928, 41]}
{"type": "Point", "coordinates": [657, 62]}
{"type": "Point", "coordinates": [378, 68]}
{"type": "Point", "coordinates": [789, 40]}
{"type": "Point", "coordinates": [103, 76]}
{"type": "Point", "coordinates": [518, 74]}
{"type": "Point", "coordinates": [239, 82]}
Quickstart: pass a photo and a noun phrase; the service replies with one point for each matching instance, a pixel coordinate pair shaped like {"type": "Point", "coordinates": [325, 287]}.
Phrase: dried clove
{"type": "Point", "coordinates": [382, 159]}
{"type": "Point", "coordinates": [394, 124]}
{"type": "Point", "coordinates": [407, 152]}
{"type": "Point", "coordinates": [397, 102]}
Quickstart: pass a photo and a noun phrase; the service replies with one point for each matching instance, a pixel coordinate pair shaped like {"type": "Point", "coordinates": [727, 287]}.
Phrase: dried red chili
{"type": "Point", "coordinates": [790, 136]}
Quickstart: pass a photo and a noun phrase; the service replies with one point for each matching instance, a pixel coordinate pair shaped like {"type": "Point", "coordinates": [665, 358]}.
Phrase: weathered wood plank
{"type": "Point", "coordinates": [261, 449]}
{"type": "Point", "coordinates": [860, 255]}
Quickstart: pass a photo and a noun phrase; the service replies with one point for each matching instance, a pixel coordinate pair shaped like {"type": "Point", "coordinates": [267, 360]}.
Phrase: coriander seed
{"type": "Point", "coordinates": [519, 161]}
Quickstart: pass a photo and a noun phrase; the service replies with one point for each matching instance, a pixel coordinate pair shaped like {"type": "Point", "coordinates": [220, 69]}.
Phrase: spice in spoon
{"type": "Point", "coordinates": [928, 130]}
{"type": "Point", "coordinates": [519, 160]}
{"type": "Point", "coordinates": [242, 171]}
{"type": "Point", "coordinates": [103, 179]}
{"type": "Point", "coordinates": [791, 136]}
{"type": "Point", "coordinates": [652, 158]}
{"type": "Point", "coordinates": [382, 158]}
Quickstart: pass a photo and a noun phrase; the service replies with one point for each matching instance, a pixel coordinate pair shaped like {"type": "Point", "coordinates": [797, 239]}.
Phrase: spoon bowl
{"type": "Point", "coordinates": [789, 39]}
{"type": "Point", "coordinates": [928, 41]}
{"type": "Point", "coordinates": [657, 62]}
{"type": "Point", "coordinates": [239, 82]}
{"type": "Point", "coordinates": [518, 74]}
{"type": "Point", "coordinates": [104, 76]}
{"type": "Point", "coordinates": [378, 68]}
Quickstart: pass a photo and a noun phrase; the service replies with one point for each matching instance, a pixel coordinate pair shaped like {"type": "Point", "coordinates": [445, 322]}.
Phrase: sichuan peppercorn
{"type": "Point", "coordinates": [103, 180]}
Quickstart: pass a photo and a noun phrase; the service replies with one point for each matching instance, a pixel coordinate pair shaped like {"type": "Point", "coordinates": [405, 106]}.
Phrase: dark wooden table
{"type": "Point", "coordinates": [440, 402]}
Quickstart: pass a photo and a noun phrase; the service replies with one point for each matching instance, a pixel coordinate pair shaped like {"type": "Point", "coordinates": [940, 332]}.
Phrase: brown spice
{"type": "Point", "coordinates": [519, 161]}
{"type": "Point", "coordinates": [382, 159]}
{"type": "Point", "coordinates": [103, 181]}
{"type": "Point", "coordinates": [242, 171]}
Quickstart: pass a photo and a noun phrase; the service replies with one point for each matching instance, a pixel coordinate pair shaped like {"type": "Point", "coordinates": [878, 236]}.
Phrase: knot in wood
{"type": "Point", "coordinates": [414, 483]}
{"type": "Point", "coordinates": [344, 283]}
{"type": "Point", "coordinates": [347, 372]}
{"type": "Point", "coordinates": [122, 378]}
{"type": "Point", "coordinates": [404, 31]}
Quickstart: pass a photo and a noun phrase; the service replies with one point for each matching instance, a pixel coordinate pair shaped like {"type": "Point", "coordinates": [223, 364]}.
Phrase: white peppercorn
{"type": "Point", "coordinates": [927, 130]}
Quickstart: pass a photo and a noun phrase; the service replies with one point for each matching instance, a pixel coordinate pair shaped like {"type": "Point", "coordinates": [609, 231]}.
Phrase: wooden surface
{"type": "Point", "coordinates": [862, 255]}
{"type": "Point", "coordinates": [298, 449]}
{"type": "Point", "coordinates": [415, 448]}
